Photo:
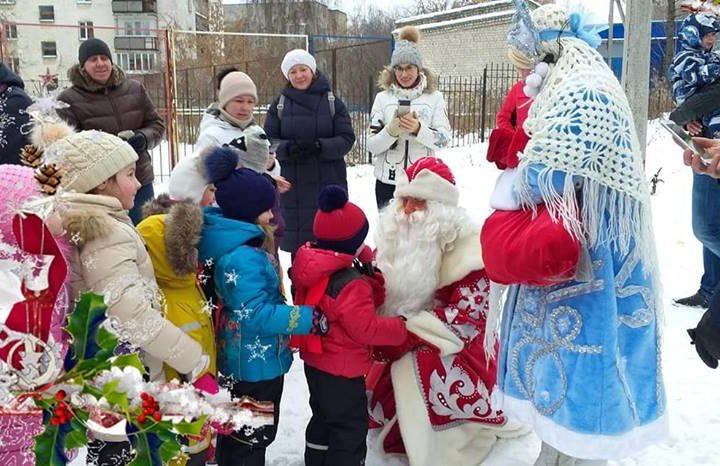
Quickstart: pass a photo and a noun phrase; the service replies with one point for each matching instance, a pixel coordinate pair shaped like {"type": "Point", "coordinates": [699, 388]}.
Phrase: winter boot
{"type": "Point", "coordinates": [552, 457]}
{"type": "Point", "coordinates": [703, 102]}
{"type": "Point", "coordinates": [706, 338]}
{"type": "Point", "coordinates": [696, 300]}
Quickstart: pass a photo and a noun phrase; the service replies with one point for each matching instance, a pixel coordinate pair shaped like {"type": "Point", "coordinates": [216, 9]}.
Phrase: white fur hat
{"type": "Point", "coordinates": [429, 179]}
{"type": "Point", "coordinates": [187, 180]}
{"type": "Point", "coordinates": [297, 57]}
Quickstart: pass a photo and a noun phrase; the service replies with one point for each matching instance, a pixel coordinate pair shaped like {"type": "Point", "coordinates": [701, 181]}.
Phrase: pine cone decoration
{"type": "Point", "coordinates": [48, 175]}
{"type": "Point", "coordinates": [31, 156]}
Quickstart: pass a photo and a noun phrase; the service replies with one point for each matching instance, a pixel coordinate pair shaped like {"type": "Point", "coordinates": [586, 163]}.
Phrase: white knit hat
{"type": "Point", "coordinates": [233, 85]}
{"type": "Point", "coordinates": [429, 179]}
{"type": "Point", "coordinates": [550, 16]}
{"type": "Point", "coordinates": [297, 57]}
{"type": "Point", "coordinates": [187, 180]}
{"type": "Point", "coordinates": [88, 158]}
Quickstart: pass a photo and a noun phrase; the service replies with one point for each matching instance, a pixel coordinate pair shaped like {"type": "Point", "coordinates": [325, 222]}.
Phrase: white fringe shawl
{"type": "Point", "coordinates": [581, 124]}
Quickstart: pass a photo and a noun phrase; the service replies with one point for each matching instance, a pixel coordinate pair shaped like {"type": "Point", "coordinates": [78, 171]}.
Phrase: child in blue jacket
{"type": "Point", "coordinates": [695, 65]}
{"type": "Point", "coordinates": [256, 324]}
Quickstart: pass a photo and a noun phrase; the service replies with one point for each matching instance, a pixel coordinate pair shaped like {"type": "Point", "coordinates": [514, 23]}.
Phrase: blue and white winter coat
{"type": "Point", "coordinates": [694, 67]}
{"type": "Point", "coordinates": [581, 359]}
{"type": "Point", "coordinates": [256, 322]}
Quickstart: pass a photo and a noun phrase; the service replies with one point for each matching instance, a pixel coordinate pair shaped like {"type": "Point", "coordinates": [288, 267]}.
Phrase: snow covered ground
{"type": "Point", "coordinates": [692, 388]}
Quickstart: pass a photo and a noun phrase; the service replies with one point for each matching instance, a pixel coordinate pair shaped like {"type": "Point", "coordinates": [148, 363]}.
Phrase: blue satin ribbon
{"type": "Point", "coordinates": [588, 34]}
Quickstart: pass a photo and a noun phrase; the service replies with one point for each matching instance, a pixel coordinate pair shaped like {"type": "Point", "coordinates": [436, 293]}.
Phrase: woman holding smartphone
{"type": "Point", "coordinates": [408, 119]}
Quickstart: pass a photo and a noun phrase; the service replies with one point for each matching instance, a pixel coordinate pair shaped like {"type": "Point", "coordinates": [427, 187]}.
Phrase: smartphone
{"type": "Point", "coordinates": [684, 140]}
{"type": "Point", "coordinates": [403, 107]}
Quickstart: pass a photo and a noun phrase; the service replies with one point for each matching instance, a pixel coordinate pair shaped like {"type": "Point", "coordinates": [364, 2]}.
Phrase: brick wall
{"type": "Point", "coordinates": [465, 49]}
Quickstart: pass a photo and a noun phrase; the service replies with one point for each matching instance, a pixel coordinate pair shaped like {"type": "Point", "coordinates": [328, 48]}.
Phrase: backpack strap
{"type": "Point", "coordinates": [280, 106]}
{"type": "Point", "coordinates": [331, 101]}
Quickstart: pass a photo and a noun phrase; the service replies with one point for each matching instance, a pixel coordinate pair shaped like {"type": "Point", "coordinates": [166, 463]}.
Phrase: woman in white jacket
{"type": "Point", "coordinates": [396, 141]}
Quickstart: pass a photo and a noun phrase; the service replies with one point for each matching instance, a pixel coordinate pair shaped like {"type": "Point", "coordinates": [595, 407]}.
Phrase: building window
{"type": "Point", "coordinates": [14, 63]}
{"type": "Point", "coordinates": [10, 30]}
{"type": "Point", "coordinates": [137, 27]}
{"type": "Point", "coordinates": [137, 61]}
{"type": "Point", "coordinates": [47, 13]}
{"type": "Point", "coordinates": [49, 49]}
{"type": "Point", "coordinates": [86, 30]}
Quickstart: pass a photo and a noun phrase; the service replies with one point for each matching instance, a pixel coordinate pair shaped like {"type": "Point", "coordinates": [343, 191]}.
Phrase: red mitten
{"type": "Point", "coordinates": [393, 353]}
{"type": "Point", "coordinates": [366, 255]}
{"type": "Point", "coordinates": [207, 384]}
{"type": "Point", "coordinates": [521, 248]}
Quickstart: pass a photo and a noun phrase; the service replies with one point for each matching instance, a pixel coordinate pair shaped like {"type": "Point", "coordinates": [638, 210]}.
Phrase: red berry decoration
{"type": "Point", "coordinates": [60, 395]}
{"type": "Point", "coordinates": [157, 416]}
{"type": "Point", "coordinates": [142, 419]}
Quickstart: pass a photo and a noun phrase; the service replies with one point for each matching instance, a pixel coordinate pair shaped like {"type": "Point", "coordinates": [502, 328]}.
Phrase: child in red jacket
{"type": "Point", "coordinates": [352, 292]}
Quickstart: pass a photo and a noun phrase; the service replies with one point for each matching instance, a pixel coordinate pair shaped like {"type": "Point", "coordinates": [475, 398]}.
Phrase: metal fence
{"type": "Point", "coordinates": [472, 105]}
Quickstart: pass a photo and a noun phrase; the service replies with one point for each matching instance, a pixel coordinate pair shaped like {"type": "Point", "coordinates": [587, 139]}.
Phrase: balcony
{"type": "Point", "coordinates": [134, 6]}
{"type": "Point", "coordinates": [136, 43]}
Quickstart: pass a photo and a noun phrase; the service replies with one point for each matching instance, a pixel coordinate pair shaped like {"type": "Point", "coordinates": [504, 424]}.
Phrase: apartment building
{"type": "Point", "coordinates": [41, 37]}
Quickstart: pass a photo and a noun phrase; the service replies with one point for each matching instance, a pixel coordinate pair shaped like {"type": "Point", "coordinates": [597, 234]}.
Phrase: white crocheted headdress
{"type": "Point", "coordinates": [581, 124]}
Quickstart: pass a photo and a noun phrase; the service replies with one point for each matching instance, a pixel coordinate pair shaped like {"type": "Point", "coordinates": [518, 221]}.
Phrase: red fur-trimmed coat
{"type": "Point", "coordinates": [441, 388]}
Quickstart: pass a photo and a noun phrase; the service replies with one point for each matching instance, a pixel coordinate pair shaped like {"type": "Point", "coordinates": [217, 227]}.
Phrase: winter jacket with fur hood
{"type": "Point", "coordinates": [393, 154]}
{"type": "Point", "coordinates": [109, 258]}
{"type": "Point", "coordinates": [121, 104]}
{"type": "Point", "coordinates": [171, 231]}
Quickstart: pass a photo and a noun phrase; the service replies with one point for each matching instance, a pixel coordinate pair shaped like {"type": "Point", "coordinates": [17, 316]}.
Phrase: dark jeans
{"type": "Point", "coordinates": [706, 227]}
{"type": "Point", "coordinates": [248, 448]}
{"type": "Point", "coordinates": [144, 194]}
{"type": "Point", "coordinates": [383, 193]}
{"type": "Point", "coordinates": [337, 431]}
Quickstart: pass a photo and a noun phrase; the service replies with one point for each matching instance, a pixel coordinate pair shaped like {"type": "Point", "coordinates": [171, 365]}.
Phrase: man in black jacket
{"type": "Point", "coordinates": [14, 127]}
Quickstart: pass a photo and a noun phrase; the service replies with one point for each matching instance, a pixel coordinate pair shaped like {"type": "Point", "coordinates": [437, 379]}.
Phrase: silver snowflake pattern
{"type": "Point", "coordinates": [75, 238]}
{"type": "Point", "coordinates": [209, 262]}
{"type": "Point", "coordinates": [243, 313]}
{"type": "Point", "coordinates": [231, 277]}
{"type": "Point", "coordinates": [257, 349]}
{"type": "Point", "coordinates": [89, 262]}
{"type": "Point", "coordinates": [208, 307]}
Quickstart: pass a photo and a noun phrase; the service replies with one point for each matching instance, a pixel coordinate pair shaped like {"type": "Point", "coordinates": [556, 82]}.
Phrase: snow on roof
{"type": "Point", "coordinates": [467, 19]}
{"type": "Point", "coordinates": [453, 11]}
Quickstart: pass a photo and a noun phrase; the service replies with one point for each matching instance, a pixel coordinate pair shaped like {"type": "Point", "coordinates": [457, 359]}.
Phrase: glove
{"type": "Point", "coordinates": [393, 128]}
{"type": "Point", "coordinates": [207, 384]}
{"type": "Point", "coordinates": [138, 141]}
{"type": "Point", "coordinates": [706, 338]}
{"type": "Point", "coordinates": [200, 370]}
{"type": "Point", "coordinates": [303, 148]}
{"type": "Point", "coordinates": [393, 353]}
{"type": "Point", "coordinates": [320, 324]}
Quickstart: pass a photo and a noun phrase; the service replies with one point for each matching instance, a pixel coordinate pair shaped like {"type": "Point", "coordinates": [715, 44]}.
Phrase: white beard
{"type": "Point", "coordinates": [410, 252]}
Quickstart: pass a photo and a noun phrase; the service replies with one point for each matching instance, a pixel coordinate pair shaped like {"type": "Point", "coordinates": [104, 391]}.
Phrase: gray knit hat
{"type": "Point", "coordinates": [88, 158]}
{"type": "Point", "coordinates": [257, 150]}
{"type": "Point", "coordinates": [406, 50]}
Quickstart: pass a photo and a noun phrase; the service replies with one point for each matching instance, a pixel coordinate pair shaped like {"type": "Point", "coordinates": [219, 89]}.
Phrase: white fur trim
{"type": "Point", "coordinates": [464, 257]}
{"type": "Point", "coordinates": [592, 447]}
{"type": "Point", "coordinates": [429, 328]}
{"type": "Point", "coordinates": [503, 196]}
{"type": "Point", "coordinates": [428, 185]}
{"type": "Point", "coordinates": [464, 444]}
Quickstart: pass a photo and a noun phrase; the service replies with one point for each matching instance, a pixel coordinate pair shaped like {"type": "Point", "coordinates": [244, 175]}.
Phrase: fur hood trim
{"type": "Point", "coordinates": [387, 79]}
{"type": "Point", "coordinates": [183, 225]}
{"type": "Point", "coordinates": [88, 217]}
{"type": "Point", "coordinates": [160, 205]}
{"type": "Point", "coordinates": [79, 77]}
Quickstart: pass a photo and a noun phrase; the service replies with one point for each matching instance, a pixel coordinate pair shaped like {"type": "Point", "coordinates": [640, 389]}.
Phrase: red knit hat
{"type": "Point", "coordinates": [429, 179]}
{"type": "Point", "coordinates": [339, 225]}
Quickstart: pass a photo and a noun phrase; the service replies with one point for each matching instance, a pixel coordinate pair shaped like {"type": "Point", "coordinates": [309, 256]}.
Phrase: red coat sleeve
{"type": "Point", "coordinates": [360, 321]}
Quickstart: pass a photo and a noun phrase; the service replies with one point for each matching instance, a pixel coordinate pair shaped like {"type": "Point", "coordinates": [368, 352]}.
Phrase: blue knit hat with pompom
{"type": "Point", "coordinates": [339, 225]}
{"type": "Point", "coordinates": [241, 193]}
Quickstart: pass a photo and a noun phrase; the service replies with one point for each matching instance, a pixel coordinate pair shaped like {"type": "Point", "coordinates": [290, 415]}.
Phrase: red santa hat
{"type": "Point", "coordinates": [429, 179]}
